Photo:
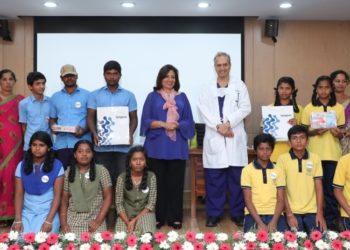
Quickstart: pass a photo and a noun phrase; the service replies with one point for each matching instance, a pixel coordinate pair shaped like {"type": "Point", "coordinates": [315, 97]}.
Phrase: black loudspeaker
{"type": "Point", "coordinates": [271, 29]}
{"type": "Point", "coordinates": [5, 31]}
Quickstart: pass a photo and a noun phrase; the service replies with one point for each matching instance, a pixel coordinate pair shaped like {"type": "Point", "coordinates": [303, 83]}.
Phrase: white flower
{"type": "Point", "coordinates": [3, 246]}
{"type": "Point", "coordinates": [120, 235]}
{"type": "Point", "coordinates": [56, 247]}
{"type": "Point", "coordinates": [69, 237]}
{"type": "Point", "coordinates": [301, 235]}
{"type": "Point", "coordinates": [332, 235]}
{"type": "Point", "coordinates": [98, 237]}
{"type": "Point", "coordinates": [213, 246]}
{"type": "Point", "coordinates": [277, 236]}
{"type": "Point", "coordinates": [164, 245]}
{"type": "Point", "coordinates": [146, 238]}
{"type": "Point", "coordinates": [13, 235]}
{"type": "Point", "coordinates": [187, 246]}
{"type": "Point", "coordinates": [320, 244]}
{"type": "Point", "coordinates": [199, 236]}
{"type": "Point", "coordinates": [239, 246]}
{"type": "Point", "coordinates": [264, 246]}
{"type": "Point", "coordinates": [84, 246]}
{"type": "Point", "coordinates": [293, 244]}
{"type": "Point", "coordinates": [222, 237]}
{"type": "Point", "coordinates": [40, 237]}
{"type": "Point", "coordinates": [28, 247]}
{"type": "Point", "coordinates": [249, 236]}
{"type": "Point", "coordinates": [172, 236]}
{"type": "Point", "coordinates": [104, 246]}
{"type": "Point", "coordinates": [346, 244]}
{"type": "Point", "coordinates": [132, 248]}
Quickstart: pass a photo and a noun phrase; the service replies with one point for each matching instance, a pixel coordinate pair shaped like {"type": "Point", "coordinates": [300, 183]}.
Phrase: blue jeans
{"type": "Point", "coordinates": [346, 222]}
{"type": "Point", "coordinates": [250, 224]}
{"type": "Point", "coordinates": [306, 222]}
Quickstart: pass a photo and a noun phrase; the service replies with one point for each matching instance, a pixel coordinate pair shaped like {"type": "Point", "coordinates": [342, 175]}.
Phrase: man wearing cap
{"type": "Point", "coordinates": [68, 113]}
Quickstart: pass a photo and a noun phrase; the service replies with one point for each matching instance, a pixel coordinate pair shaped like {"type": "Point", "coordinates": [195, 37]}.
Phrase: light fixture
{"type": "Point", "coordinates": [50, 4]}
{"type": "Point", "coordinates": [285, 5]}
{"type": "Point", "coordinates": [128, 4]}
{"type": "Point", "coordinates": [203, 5]}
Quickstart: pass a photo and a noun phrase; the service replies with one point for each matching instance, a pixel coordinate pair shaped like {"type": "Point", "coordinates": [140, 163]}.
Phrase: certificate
{"type": "Point", "coordinates": [113, 126]}
{"type": "Point", "coordinates": [323, 120]}
{"type": "Point", "coordinates": [276, 121]}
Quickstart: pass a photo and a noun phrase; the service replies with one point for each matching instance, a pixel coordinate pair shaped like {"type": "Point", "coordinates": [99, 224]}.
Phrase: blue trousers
{"type": "Point", "coordinates": [219, 183]}
{"type": "Point", "coordinates": [250, 224]}
{"type": "Point", "coordinates": [306, 222]}
{"type": "Point", "coordinates": [331, 210]}
{"type": "Point", "coordinates": [346, 222]}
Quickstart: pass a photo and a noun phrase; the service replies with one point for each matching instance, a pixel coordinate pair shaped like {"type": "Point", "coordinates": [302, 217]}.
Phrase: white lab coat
{"type": "Point", "coordinates": [218, 151]}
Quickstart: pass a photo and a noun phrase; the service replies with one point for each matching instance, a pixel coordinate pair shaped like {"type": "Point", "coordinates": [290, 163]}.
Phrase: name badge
{"type": "Point", "coordinates": [78, 105]}
{"type": "Point", "coordinates": [145, 191]}
{"type": "Point", "coordinates": [45, 179]}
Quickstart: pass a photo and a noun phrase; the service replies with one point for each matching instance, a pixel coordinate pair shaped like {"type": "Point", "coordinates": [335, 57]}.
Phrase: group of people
{"type": "Point", "coordinates": [74, 183]}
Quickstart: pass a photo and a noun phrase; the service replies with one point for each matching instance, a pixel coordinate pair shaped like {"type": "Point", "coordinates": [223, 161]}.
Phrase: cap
{"type": "Point", "coordinates": [68, 69]}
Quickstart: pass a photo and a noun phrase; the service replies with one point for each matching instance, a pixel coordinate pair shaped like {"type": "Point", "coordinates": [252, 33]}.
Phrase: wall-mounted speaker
{"type": "Point", "coordinates": [271, 29]}
{"type": "Point", "coordinates": [5, 31]}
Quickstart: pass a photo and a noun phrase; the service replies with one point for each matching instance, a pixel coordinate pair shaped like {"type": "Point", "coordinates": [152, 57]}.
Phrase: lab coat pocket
{"type": "Point", "coordinates": [216, 145]}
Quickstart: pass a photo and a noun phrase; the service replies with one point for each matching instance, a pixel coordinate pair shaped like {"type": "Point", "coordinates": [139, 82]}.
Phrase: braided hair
{"type": "Point", "coordinates": [44, 137]}
{"type": "Point", "coordinates": [314, 98]}
{"type": "Point", "coordinates": [128, 180]}
{"type": "Point", "coordinates": [290, 81]}
{"type": "Point", "coordinates": [73, 166]}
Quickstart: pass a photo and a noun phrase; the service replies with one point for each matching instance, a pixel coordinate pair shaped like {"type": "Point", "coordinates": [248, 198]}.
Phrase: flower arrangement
{"type": "Point", "coordinates": [172, 240]}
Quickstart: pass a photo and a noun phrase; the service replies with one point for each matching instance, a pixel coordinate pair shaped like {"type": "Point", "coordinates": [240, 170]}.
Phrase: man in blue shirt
{"type": "Point", "coordinates": [69, 108]}
{"type": "Point", "coordinates": [34, 110]}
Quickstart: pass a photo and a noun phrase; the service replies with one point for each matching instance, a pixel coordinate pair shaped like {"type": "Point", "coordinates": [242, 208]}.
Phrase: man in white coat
{"type": "Point", "coordinates": [223, 106]}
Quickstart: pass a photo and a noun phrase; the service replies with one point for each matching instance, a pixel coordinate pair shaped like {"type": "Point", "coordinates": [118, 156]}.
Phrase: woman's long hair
{"type": "Point", "coordinates": [128, 180]}
{"type": "Point", "coordinates": [73, 166]}
{"type": "Point", "coordinates": [290, 81]}
{"type": "Point", "coordinates": [314, 98]}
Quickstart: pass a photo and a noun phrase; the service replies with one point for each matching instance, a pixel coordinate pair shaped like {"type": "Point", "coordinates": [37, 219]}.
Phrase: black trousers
{"type": "Point", "coordinates": [170, 185]}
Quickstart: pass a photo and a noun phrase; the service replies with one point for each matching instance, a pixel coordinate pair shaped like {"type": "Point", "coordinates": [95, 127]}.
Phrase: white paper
{"type": "Point", "coordinates": [113, 126]}
{"type": "Point", "coordinates": [275, 121]}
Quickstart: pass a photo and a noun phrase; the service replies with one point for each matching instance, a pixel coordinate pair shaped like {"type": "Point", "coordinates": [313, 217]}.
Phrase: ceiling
{"type": "Point", "coordinates": [301, 10]}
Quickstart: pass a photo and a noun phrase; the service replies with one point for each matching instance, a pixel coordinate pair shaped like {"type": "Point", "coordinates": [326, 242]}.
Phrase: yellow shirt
{"type": "Point", "coordinates": [342, 179]}
{"type": "Point", "coordinates": [263, 184]}
{"type": "Point", "coordinates": [326, 145]}
{"type": "Point", "coordinates": [300, 178]}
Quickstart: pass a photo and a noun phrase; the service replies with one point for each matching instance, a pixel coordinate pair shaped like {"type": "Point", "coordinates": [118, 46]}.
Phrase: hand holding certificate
{"type": "Point", "coordinates": [276, 121]}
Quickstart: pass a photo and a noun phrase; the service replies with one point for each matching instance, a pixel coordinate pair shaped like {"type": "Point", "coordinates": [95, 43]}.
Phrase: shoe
{"type": "Point", "coordinates": [176, 225]}
{"type": "Point", "coordinates": [212, 221]}
{"type": "Point", "coordinates": [159, 225]}
{"type": "Point", "coordinates": [238, 220]}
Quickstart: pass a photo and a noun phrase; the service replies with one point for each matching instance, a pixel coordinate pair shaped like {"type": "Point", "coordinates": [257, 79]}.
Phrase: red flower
{"type": "Point", "coordinates": [159, 237]}
{"type": "Point", "coordinates": [209, 237]}
{"type": "Point", "coordinates": [29, 238]}
{"type": "Point", "coordinates": [14, 247]}
{"type": "Point", "coordinates": [337, 245]}
{"type": "Point", "coordinates": [250, 245]}
{"type": "Point", "coordinates": [95, 246]}
{"type": "Point", "coordinates": [44, 246]}
{"type": "Point", "coordinates": [146, 246]}
{"type": "Point", "coordinates": [107, 235]}
{"type": "Point", "coordinates": [190, 236]}
{"type": "Point", "coordinates": [85, 237]}
{"type": "Point", "coordinates": [262, 235]}
{"type": "Point", "coordinates": [52, 239]}
{"type": "Point", "coordinates": [316, 235]}
{"type": "Point", "coordinates": [177, 246]}
{"type": "Point", "coordinates": [71, 246]}
{"type": "Point", "coordinates": [117, 246]}
{"type": "Point", "coordinates": [290, 236]}
{"type": "Point", "coordinates": [198, 246]}
{"type": "Point", "coordinates": [308, 245]}
{"type": "Point", "coordinates": [237, 235]}
{"type": "Point", "coordinates": [225, 246]}
{"type": "Point", "coordinates": [278, 246]}
{"type": "Point", "coordinates": [131, 240]}
{"type": "Point", "coordinates": [345, 235]}
{"type": "Point", "coordinates": [4, 237]}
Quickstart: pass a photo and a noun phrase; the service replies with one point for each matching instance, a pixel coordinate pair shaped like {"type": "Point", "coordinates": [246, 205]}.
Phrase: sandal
{"type": "Point", "coordinates": [177, 225]}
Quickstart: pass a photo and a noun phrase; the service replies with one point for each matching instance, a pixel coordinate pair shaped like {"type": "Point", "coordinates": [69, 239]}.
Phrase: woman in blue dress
{"type": "Point", "coordinates": [38, 187]}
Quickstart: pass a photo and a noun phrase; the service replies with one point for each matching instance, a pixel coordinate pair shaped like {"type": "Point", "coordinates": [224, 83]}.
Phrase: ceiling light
{"type": "Point", "coordinates": [203, 5]}
{"type": "Point", "coordinates": [128, 4]}
{"type": "Point", "coordinates": [285, 5]}
{"type": "Point", "coordinates": [50, 4]}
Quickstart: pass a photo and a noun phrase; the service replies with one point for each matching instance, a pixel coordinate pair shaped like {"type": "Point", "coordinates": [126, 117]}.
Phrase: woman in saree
{"type": "Point", "coordinates": [11, 148]}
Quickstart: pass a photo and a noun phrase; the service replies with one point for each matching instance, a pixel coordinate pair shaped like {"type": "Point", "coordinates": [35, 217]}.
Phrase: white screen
{"type": "Point", "coordinates": [141, 56]}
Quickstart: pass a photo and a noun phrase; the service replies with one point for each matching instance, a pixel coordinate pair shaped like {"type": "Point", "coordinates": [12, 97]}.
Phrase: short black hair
{"type": "Point", "coordinates": [112, 65]}
{"type": "Point", "coordinates": [264, 138]}
{"type": "Point", "coordinates": [34, 76]}
{"type": "Point", "coordinates": [296, 129]}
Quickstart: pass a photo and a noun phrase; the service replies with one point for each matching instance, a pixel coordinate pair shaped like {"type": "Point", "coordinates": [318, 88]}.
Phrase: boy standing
{"type": "Point", "coordinates": [263, 189]}
{"type": "Point", "coordinates": [303, 175]}
{"type": "Point", "coordinates": [34, 110]}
